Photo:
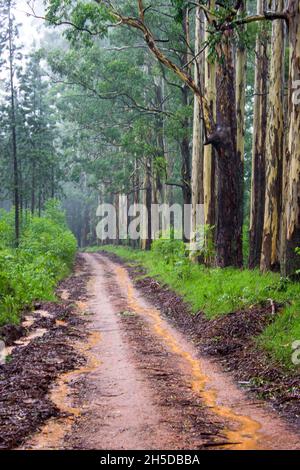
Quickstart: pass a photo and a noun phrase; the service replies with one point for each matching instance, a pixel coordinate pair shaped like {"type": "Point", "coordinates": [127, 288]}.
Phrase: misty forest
{"type": "Point", "coordinates": [155, 341]}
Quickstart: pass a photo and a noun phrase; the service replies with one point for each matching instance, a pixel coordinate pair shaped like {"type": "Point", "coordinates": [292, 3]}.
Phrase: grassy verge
{"type": "Point", "coordinates": [220, 291]}
{"type": "Point", "coordinates": [31, 272]}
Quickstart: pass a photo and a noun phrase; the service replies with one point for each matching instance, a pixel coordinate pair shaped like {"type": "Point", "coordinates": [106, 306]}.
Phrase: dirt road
{"type": "Point", "coordinates": [144, 386]}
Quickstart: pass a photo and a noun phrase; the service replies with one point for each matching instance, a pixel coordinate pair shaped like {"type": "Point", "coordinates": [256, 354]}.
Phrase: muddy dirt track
{"type": "Point", "coordinates": [136, 382]}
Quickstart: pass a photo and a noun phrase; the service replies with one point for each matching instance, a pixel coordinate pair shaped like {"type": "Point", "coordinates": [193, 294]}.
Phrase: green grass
{"type": "Point", "coordinates": [278, 337]}
{"type": "Point", "coordinates": [221, 291]}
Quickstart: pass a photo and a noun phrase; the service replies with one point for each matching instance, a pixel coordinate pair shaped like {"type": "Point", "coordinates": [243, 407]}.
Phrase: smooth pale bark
{"type": "Point", "coordinates": [158, 189]}
{"type": "Point", "coordinates": [274, 148]}
{"type": "Point", "coordinates": [116, 205]}
{"type": "Point", "coordinates": [136, 194]}
{"type": "Point", "coordinates": [291, 213]}
{"type": "Point", "coordinates": [257, 204]}
{"type": "Point", "coordinates": [147, 201]}
{"type": "Point", "coordinates": [209, 151]}
{"type": "Point", "coordinates": [168, 158]}
{"type": "Point", "coordinates": [197, 155]}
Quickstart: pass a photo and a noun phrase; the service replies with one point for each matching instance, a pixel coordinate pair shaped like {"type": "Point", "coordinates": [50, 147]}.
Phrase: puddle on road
{"type": "Point", "coordinates": [60, 323]}
{"type": "Point", "coordinates": [246, 436]}
{"type": "Point", "coordinates": [28, 321]}
{"type": "Point", "coordinates": [25, 340]}
{"type": "Point", "coordinates": [64, 294]}
{"type": "Point", "coordinates": [82, 306]}
{"type": "Point", "coordinates": [37, 333]}
{"type": "Point", "coordinates": [44, 313]}
{"type": "Point", "coordinates": [52, 434]}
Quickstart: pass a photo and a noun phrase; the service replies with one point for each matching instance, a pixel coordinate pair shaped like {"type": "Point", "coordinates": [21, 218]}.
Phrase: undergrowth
{"type": "Point", "coordinates": [31, 271]}
{"type": "Point", "coordinates": [216, 291]}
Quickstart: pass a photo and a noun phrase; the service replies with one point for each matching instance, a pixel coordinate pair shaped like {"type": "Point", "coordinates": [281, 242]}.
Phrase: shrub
{"type": "Point", "coordinates": [170, 250]}
{"type": "Point", "coordinates": [6, 229]}
{"type": "Point", "coordinates": [30, 273]}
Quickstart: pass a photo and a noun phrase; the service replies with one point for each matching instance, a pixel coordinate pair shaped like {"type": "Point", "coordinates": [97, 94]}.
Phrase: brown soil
{"type": "Point", "coordinates": [112, 372]}
{"type": "Point", "coordinates": [137, 397]}
{"type": "Point", "coordinates": [230, 339]}
{"type": "Point", "coordinates": [32, 368]}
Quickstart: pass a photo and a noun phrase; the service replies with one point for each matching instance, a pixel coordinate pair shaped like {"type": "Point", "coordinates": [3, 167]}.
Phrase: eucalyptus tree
{"type": "Point", "coordinates": [122, 131]}
{"type": "Point", "coordinates": [270, 253]}
{"type": "Point", "coordinates": [226, 23]}
{"type": "Point", "coordinates": [258, 178]}
{"type": "Point", "coordinates": [290, 240]}
{"type": "Point", "coordinates": [94, 18]}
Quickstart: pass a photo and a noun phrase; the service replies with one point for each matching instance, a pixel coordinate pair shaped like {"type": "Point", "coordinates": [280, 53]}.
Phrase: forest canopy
{"type": "Point", "coordinates": [188, 102]}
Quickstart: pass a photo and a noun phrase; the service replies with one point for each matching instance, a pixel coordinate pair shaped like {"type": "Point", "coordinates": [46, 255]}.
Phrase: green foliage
{"type": "Point", "coordinates": [179, 7]}
{"type": "Point", "coordinates": [30, 272]}
{"type": "Point", "coordinates": [54, 213]}
{"type": "Point", "coordinates": [87, 18]}
{"type": "Point", "coordinates": [246, 242]}
{"type": "Point", "coordinates": [7, 233]}
{"type": "Point", "coordinates": [173, 252]}
{"type": "Point", "coordinates": [278, 337]}
{"type": "Point", "coordinates": [206, 236]}
{"type": "Point", "coordinates": [297, 250]}
{"type": "Point", "coordinates": [168, 250]}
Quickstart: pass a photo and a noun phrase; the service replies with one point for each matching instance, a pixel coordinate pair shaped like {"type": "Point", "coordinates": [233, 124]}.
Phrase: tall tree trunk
{"type": "Point", "coordinates": [136, 193]}
{"type": "Point", "coordinates": [146, 229]}
{"type": "Point", "coordinates": [241, 90]}
{"type": "Point", "coordinates": [33, 187]}
{"type": "Point", "coordinates": [274, 148]}
{"type": "Point", "coordinates": [186, 168]}
{"type": "Point", "coordinates": [291, 237]}
{"type": "Point", "coordinates": [13, 130]}
{"type": "Point", "coordinates": [168, 158]}
{"type": "Point", "coordinates": [185, 141]}
{"type": "Point", "coordinates": [52, 181]}
{"type": "Point", "coordinates": [116, 199]}
{"type": "Point", "coordinates": [229, 168]}
{"type": "Point", "coordinates": [197, 155]}
{"type": "Point", "coordinates": [209, 173]}
{"type": "Point", "coordinates": [161, 163]}
{"type": "Point", "coordinates": [257, 204]}
{"type": "Point", "coordinates": [40, 202]}
{"type": "Point", "coordinates": [240, 93]}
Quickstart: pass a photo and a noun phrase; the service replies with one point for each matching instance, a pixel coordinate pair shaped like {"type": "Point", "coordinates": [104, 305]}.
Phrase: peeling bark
{"type": "Point", "coordinates": [291, 211]}
{"type": "Point", "coordinates": [274, 148]}
{"type": "Point", "coordinates": [147, 201]}
{"type": "Point", "coordinates": [185, 141]}
{"type": "Point", "coordinates": [209, 196]}
{"type": "Point", "coordinates": [197, 156]}
{"type": "Point", "coordinates": [258, 149]}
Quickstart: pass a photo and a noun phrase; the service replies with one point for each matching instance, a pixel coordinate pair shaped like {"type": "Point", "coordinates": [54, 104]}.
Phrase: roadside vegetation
{"type": "Point", "coordinates": [216, 291]}
{"type": "Point", "coordinates": [44, 256]}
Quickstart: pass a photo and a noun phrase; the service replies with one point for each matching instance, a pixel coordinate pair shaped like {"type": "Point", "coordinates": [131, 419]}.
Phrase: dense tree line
{"type": "Point", "coordinates": [190, 102]}
{"type": "Point", "coordinates": [29, 158]}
